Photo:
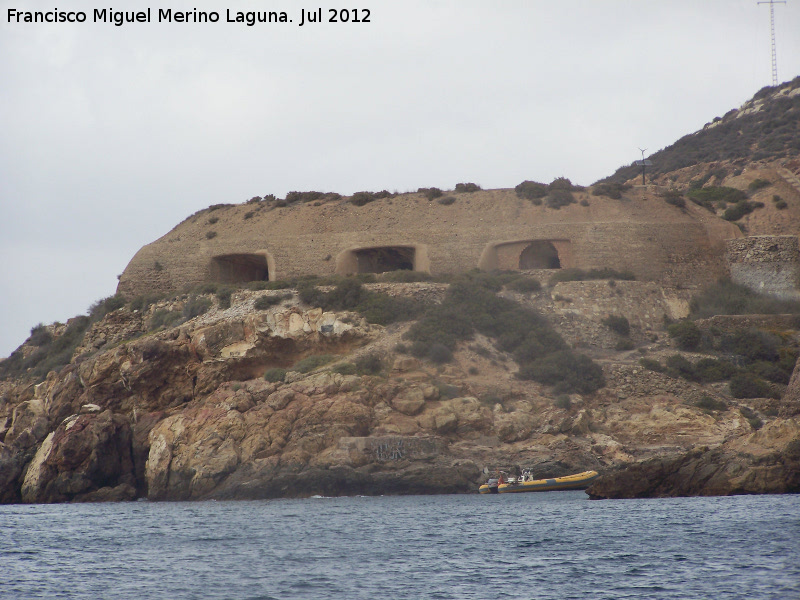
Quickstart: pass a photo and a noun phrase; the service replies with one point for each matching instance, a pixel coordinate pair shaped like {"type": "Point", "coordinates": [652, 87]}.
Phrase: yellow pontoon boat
{"type": "Point", "coordinates": [526, 483]}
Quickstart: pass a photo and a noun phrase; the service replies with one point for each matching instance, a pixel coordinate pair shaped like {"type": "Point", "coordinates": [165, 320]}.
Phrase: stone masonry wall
{"type": "Point", "coordinates": [766, 264]}
{"type": "Point", "coordinates": [655, 241]}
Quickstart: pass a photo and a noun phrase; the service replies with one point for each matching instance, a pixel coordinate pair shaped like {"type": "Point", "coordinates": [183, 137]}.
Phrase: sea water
{"type": "Point", "coordinates": [547, 545]}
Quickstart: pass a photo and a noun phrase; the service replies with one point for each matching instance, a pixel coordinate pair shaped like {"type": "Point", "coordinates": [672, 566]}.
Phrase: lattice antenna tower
{"type": "Point", "coordinates": [772, 4]}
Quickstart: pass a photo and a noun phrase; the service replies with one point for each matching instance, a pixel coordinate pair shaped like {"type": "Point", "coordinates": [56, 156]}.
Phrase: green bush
{"type": "Point", "coordinates": [349, 294]}
{"type": "Point", "coordinates": [195, 306]}
{"type": "Point", "coordinates": [293, 197]}
{"type": "Point", "coordinates": [711, 404]}
{"type": "Point", "coordinates": [624, 344]}
{"type": "Point", "coordinates": [223, 295]}
{"type": "Point", "coordinates": [687, 335]}
{"type": "Point", "coordinates": [753, 344]}
{"type": "Point", "coordinates": [40, 336]}
{"type": "Point", "coordinates": [210, 235]}
{"type": "Point", "coordinates": [709, 370]}
{"type": "Point", "coordinates": [315, 361]}
{"type": "Point", "coordinates": [747, 385]}
{"type": "Point", "coordinates": [49, 356]}
{"type": "Point", "coordinates": [651, 365]}
{"type": "Point", "coordinates": [265, 302]}
{"type": "Point", "coordinates": [213, 220]}
{"type": "Point", "coordinates": [404, 276]}
{"type": "Point", "coordinates": [467, 188]}
{"type": "Point", "coordinates": [678, 366]}
{"type": "Point", "coordinates": [446, 200]}
{"type": "Point", "coordinates": [563, 402]}
{"type": "Point", "coordinates": [101, 308]}
{"type": "Point", "coordinates": [275, 375]}
{"type": "Point", "coordinates": [556, 198]}
{"type": "Point", "coordinates": [531, 190]}
{"type": "Point", "coordinates": [770, 371]}
{"type": "Point", "coordinates": [728, 298]}
{"type": "Point", "coordinates": [751, 417]}
{"type": "Point", "coordinates": [165, 318]}
{"type": "Point", "coordinates": [709, 195]}
{"type": "Point", "coordinates": [431, 193]}
{"type": "Point", "coordinates": [525, 285]}
{"type": "Point", "coordinates": [345, 368]}
{"type": "Point", "coordinates": [567, 372]}
{"type": "Point", "coordinates": [561, 183]}
{"type": "Point", "coordinates": [758, 184]}
{"type": "Point", "coordinates": [675, 198]}
{"type": "Point", "coordinates": [591, 274]}
{"type": "Point", "coordinates": [740, 209]}
{"type": "Point", "coordinates": [369, 364]}
{"type": "Point", "coordinates": [362, 198]}
{"type": "Point", "coordinates": [440, 354]}
{"type": "Point", "coordinates": [618, 324]}
{"type": "Point", "coordinates": [610, 189]}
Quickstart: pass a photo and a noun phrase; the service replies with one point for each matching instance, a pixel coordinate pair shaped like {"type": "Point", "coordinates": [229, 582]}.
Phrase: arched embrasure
{"type": "Point", "coordinates": [539, 254]}
{"type": "Point", "coordinates": [239, 268]}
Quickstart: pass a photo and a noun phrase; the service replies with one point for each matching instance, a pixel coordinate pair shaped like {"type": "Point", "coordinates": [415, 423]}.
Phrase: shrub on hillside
{"type": "Point", "coordinates": [223, 295]}
{"type": "Point", "coordinates": [686, 334]}
{"type": "Point", "coordinates": [758, 184]}
{"type": "Point", "coordinates": [740, 209]}
{"type": "Point", "coordinates": [446, 200]}
{"type": "Point", "coordinates": [165, 318]}
{"type": "Point", "coordinates": [727, 298]}
{"type": "Point", "coordinates": [265, 302]}
{"type": "Point", "coordinates": [369, 364]}
{"type": "Point", "coordinates": [559, 197]}
{"type": "Point", "coordinates": [345, 368]}
{"type": "Point", "coordinates": [591, 274]}
{"type": "Point", "coordinates": [706, 197]}
{"type": "Point", "coordinates": [610, 189]}
{"type": "Point", "coordinates": [566, 371]}
{"type": "Point", "coordinates": [711, 404]}
{"type": "Point", "coordinates": [618, 324]}
{"type": "Point", "coordinates": [315, 361]}
{"type": "Point", "coordinates": [747, 385]}
{"type": "Point", "coordinates": [651, 365]}
{"type": "Point", "coordinates": [362, 198]}
{"type": "Point", "coordinates": [525, 285]}
{"type": "Point", "coordinates": [440, 354]}
{"type": "Point", "coordinates": [349, 294]}
{"type": "Point", "coordinates": [275, 375]}
{"type": "Point", "coordinates": [467, 188]}
{"type": "Point", "coordinates": [531, 190]}
{"type": "Point", "coordinates": [195, 306]}
{"type": "Point", "coordinates": [431, 193]}
{"type": "Point", "coordinates": [101, 308]}
{"type": "Point", "coordinates": [674, 197]}
{"type": "Point", "coordinates": [678, 366]}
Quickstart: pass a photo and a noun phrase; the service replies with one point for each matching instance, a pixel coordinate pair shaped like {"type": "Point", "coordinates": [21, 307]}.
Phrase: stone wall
{"type": "Point", "coordinates": [487, 230]}
{"type": "Point", "coordinates": [767, 264]}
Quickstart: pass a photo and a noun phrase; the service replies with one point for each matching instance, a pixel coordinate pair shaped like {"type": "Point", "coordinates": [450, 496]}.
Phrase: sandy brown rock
{"type": "Point", "coordinates": [765, 462]}
{"type": "Point", "coordinates": [85, 454]}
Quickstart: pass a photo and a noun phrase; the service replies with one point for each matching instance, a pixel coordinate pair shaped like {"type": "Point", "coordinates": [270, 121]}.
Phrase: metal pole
{"type": "Point", "coordinates": [772, 4]}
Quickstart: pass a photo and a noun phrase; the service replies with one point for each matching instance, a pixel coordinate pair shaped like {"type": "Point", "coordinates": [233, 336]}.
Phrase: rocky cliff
{"type": "Point", "coordinates": [185, 413]}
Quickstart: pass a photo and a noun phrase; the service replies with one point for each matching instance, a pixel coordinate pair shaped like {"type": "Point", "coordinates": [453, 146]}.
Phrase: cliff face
{"type": "Point", "coordinates": [184, 413]}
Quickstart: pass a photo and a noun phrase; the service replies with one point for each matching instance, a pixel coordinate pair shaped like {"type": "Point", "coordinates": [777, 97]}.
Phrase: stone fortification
{"type": "Point", "coordinates": [491, 229]}
{"type": "Point", "coordinates": [769, 264]}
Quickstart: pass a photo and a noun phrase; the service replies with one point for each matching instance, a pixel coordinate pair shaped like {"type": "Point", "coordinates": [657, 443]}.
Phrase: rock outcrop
{"type": "Point", "coordinates": [186, 414]}
{"type": "Point", "coordinates": [765, 462]}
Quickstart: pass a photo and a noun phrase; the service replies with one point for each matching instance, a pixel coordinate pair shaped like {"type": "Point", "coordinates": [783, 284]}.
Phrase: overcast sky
{"type": "Point", "coordinates": [112, 135]}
